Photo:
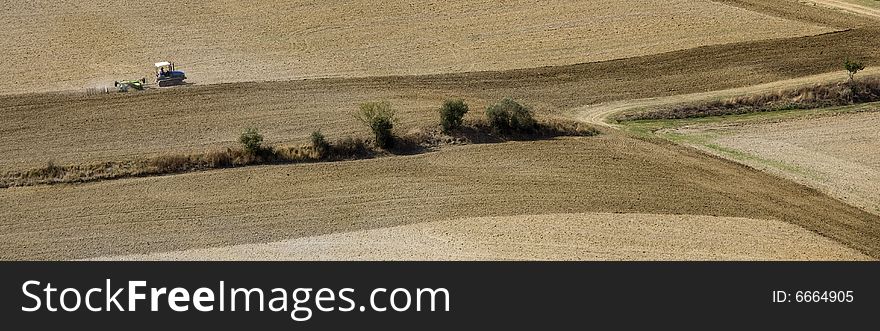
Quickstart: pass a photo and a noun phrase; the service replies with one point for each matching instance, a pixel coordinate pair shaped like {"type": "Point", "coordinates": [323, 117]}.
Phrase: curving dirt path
{"type": "Point", "coordinates": [850, 7]}
{"type": "Point", "coordinates": [599, 114]}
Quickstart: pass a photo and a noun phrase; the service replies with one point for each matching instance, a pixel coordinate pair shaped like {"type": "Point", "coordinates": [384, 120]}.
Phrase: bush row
{"type": "Point", "coordinates": [507, 118]}
{"type": "Point", "coordinates": [811, 97]}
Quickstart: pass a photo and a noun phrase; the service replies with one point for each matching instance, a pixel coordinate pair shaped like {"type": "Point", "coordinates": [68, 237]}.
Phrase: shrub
{"type": "Point", "coordinates": [452, 113]}
{"type": "Point", "coordinates": [251, 140]}
{"type": "Point", "coordinates": [852, 68]}
{"type": "Point", "coordinates": [171, 163]}
{"type": "Point", "coordinates": [293, 155]}
{"type": "Point", "coordinates": [508, 115]}
{"type": "Point", "coordinates": [51, 170]}
{"type": "Point", "coordinates": [809, 97]}
{"type": "Point", "coordinates": [320, 144]}
{"type": "Point", "coordinates": [499, 120]}
{"type": "Point", "coordinates": [564, 127]}
{"type": "Point", "coordinates": [380, 118]}
{"type": "Point", "coordinates": [219, 159]}
{"type": "Point", "coordinates": [349, 147]}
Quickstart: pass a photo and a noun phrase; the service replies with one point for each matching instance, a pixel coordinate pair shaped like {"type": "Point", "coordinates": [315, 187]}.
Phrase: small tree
{"type": "Point", "coordinates": [509, 115]}
{"type": "Point", "coordinates": [380, 118]}
{"type": "Point", "coordinates": [852, 68]}
{"type": "Point", "coordinates": [251, 140]}
{"type": "Point", "coordinates": [320, 144]}
{"type": "Point", "coordinates": [451, 114]}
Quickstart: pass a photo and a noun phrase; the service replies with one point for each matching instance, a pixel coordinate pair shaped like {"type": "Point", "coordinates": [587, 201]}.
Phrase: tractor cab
{"type": "Point", "coordinates": [166, 75]}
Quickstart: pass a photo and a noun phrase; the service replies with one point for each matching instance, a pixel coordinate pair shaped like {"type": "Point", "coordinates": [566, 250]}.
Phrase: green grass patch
{"type": "Point", "coordinates": [705, 139]}
{"type": "Point", "coordinates": [705, 135]}
{"type": "Point", "coordinates": [649, 127]}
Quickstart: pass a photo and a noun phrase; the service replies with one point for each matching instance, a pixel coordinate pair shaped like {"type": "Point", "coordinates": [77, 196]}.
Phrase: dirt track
{"type": "Point", "coordinates": [872, 10]}
{"type": "Point", "coordinates": [600, 114]}
{"type": "Point", "coordinates": [591, 236]}
{"type": "Point", "coordinates": [80, 44]}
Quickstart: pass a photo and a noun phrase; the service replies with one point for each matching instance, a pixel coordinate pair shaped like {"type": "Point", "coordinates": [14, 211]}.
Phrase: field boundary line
{"type": "Point", "coordinates": [599, 114]}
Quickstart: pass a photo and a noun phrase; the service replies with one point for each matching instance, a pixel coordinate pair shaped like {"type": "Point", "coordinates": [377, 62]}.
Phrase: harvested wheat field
{"type": "Point", "coordinates": [591, 236]}
{"type": "Point", "coordinates": [837, 154]}
{"type": "Point", "coordinates": [66, 45]}
{"type": "Point", "coordinates": [608, 173]}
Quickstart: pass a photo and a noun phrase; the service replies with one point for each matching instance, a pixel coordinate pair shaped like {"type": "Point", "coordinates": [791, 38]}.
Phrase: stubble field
{"type": "Point", "coordinates": [838, 154]}
{"type": "Point", "coordinates": [65, 45]}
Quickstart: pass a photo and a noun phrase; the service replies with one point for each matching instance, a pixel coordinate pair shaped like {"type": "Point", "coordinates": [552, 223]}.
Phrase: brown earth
{"type": "Point", "coordinates": [601, 114]}
{"type": "Point", "coordinates": [609, 173]}
{"type": "Point", "coordinates": [73, 130]}
{"type": "Point", "coordinates": [63, 45]}
{"type": "Point", "coordinates": [837, 154]}
{"type": "Point", "coordinates": [79, 128]}
{"type": "Point", "coordinates": [580, 237]}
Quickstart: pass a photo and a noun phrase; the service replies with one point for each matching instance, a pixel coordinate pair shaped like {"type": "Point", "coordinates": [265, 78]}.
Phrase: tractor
{"type": "Point", "coordinates": [167, 76]}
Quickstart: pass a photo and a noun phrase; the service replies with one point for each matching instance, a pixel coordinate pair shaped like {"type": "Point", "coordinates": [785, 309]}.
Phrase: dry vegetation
{"type": "Point", "coordinates": [70, 129]}
{"type": "Point", "coordinates": [160, 165]}
{"type": "Point", "coordinates": [82, 44]}
{"type": "Point", "coordinates": [808, 97]}
{"type": "Point", "coordinates": [348, 148]}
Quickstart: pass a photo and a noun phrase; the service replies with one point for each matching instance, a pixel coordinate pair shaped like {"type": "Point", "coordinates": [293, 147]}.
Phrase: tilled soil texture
{"type": "Point", "coordinates": [838, 154]}
{"type": "Point", "coordinates": [604, 114]}
{"type": "Point", "coordinates": [611, 173]}
{"type": "Point", "coordinates": [73, 128]}
{"type": "Point", "coordinates": [579, 237]}
{"type": "Point", "coordinates": [608, 173]}
{"type": "Point", "coordinates": [64, 45]}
